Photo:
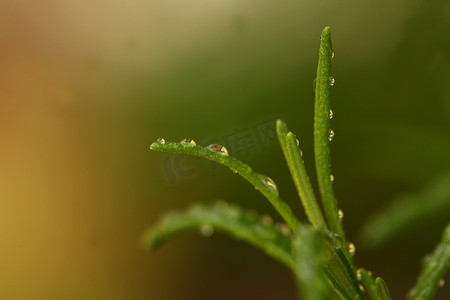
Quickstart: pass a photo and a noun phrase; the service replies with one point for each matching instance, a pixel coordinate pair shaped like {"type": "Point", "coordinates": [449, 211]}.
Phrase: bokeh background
{"type": "Point", "coordinates": [86, 86]}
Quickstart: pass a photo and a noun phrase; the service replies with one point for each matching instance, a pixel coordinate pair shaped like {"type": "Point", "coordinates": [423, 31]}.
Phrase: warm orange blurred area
{"type": "Point", "coordinates": [62, 232]}
{"type": "Point", "coordinates": [87, 86]}
{"type": "Point", "coordinates": [76, 190]}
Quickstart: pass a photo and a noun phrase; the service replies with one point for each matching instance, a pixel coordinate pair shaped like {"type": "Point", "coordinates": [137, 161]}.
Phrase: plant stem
{"type": "Point", "coordinates": [262, 183]}
{"type": "Point", "coordinates": [296, 166]}
{"type": "Point", "coordinates": [321, 135]}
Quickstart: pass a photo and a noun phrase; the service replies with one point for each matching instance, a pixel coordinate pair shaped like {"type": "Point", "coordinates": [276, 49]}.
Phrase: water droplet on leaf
{"type": "Point", "coordinates": [269, 182]}
{"type": "Point", "coordinates": [161, 141]}
{"type": "Point", "coordinates": [332, 54]}
{"type": "Point", "coordinates": [330, 114]}
{"type": "Point", "coordinates": [206, 230]}
{"type": "Point", "coordinates": [351, 248]}
{"type": "Point", "coordinates": [332, 178]}
{"type": "Point", "coordinates": [189, 142]}
{"type": "Point", "coordinates": [332, 81]}
{"type": "Point", "coordinates": [337, 240]}
{"type": "Point", "coordinates": [283, 228]}
{"type": "Point", "coordinates": [340, 214]}
{"type": "Point", "coordinates": [267, 220]}
{"type": "Point", "coordinates": [358, 274]}
{"type": "Point", "coordinates": [330, 135]}
{"type": "Point", "coordinates": [219, 148]}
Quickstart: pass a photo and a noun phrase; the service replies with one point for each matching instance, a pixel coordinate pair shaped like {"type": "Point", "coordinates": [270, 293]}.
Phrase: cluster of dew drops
{"type": "Point", "coordinates": [330, 114]}
{"type": "Point", "coordinates": [222, 150]}
{"type": "Point", "coordinates": [208, 230]}
{"type": "Point", "coordinates": [191, 142]}
{"type": "Point", "coordinates": [351, 247]}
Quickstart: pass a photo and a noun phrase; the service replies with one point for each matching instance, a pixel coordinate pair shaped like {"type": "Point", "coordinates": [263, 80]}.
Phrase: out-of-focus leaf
{"type": "Point", "coordinates": [229, 219]}
{"type": "Point", "coordinates": [308, 257]}
{"type": "Point", "coordinates": [219, 154]}
{"type": "Point", "coordinates": [338, 271]}
{"type": "Point", "coordinates": [382, 289]}
{"type": "Point", "coordinates": [435, 266]}
{"type": "Point", "coordinates": [407, 211]}
{"type": "Point", "coordinates": [313, 250]}
{"type": "Point", "coordinates": [369, 283]}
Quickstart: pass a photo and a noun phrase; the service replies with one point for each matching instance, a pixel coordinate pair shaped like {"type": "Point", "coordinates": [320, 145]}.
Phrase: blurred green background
{"type": "Point", "coordinates": [86, 86]}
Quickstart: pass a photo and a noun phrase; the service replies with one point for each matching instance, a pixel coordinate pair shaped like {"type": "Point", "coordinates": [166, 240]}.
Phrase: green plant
{"type": "Point", "coordinates": [318, 253]}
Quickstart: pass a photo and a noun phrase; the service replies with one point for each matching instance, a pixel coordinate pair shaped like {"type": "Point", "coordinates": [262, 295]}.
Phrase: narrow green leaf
{"type": "Point", "coordinates": [408, 211]}
{"type": "Point", "coordinates": [296, 166]}
{"type": "Point", "coordinates": [313, 248]}
{"type": "Point", "coordinates": [340, 273]}
{"type": "Point", "coordinates": [307, 252]}
{"type": "Point", "coordinates": [321, 135]}
{"type": "Point", "coordinates": [383, 292]}
{"type": "Point", "coordinates": [369, 283]}
{"type": "Point", "coordinates": [226, 218]}
{"type": "Point", "coordinates": [263, 183]}
{"type": "Point", "coordinates": [435, 266]}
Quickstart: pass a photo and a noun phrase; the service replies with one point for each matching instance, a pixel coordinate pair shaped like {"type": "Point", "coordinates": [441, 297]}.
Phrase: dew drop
{"type": "Point", "coordinates": [189, 142]}
{"type": "Point", "coordinates": [161, 141]}
{"type": "Point", "coordinates": [330, 114]}
{"type": "Point", "coordinates": [351, 248]}
{"type": "Point", "coordinates": [441, 283]}
{"type": "Point", "coordinates": [224, 150]}
{"type": "Point", "coordinates": [206, 230]}
{"type": "Point", "coordinates": [332, 81]}
{"type": "Point", "coordinates": [283, 228]}
{"type": "Point", "coordinates": [340, 214]}
{"type": "Point", "coordinates": [330, 135]}
{"type": "Point", "coordinates": [332, 178]}
{"type": "Point", "coordinates": [361, 288]}
{"type": "Point", "coordinates": [219, 148]}
{"type": "Point", "coordinates": [298, 142]}
{"type": "Point", "coordinates": [358, 275]}
{"type": "Point", "coordinates": [337, 241]}
{"type": "Point", "coordinates": [267, 220]}
{"type": "Point", "coordinates": [332, 54]}
{"type": "Point", "coordinates": [269, 182]}
{"type": "Point", "coordinates": [234, 171]}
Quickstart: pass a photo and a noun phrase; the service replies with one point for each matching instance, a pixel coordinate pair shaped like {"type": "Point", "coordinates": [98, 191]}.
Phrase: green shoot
{"type": "Point", "coordinates": [262, 183]}
{"type": "Point", "coordinates": [296, 166]}
{"type": "Point", "coordinates": [318, 254]}
{"type": "Point", "coordinates": [383, 292]}
{"type": "Point", "coordinates": [368, 281]}
{"type": "Point", "coordinates": [435, 266]}
{"type": "Point", "coordinates": [227, 218]}
{"type": "Point", "coordinates": [323, 135]}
